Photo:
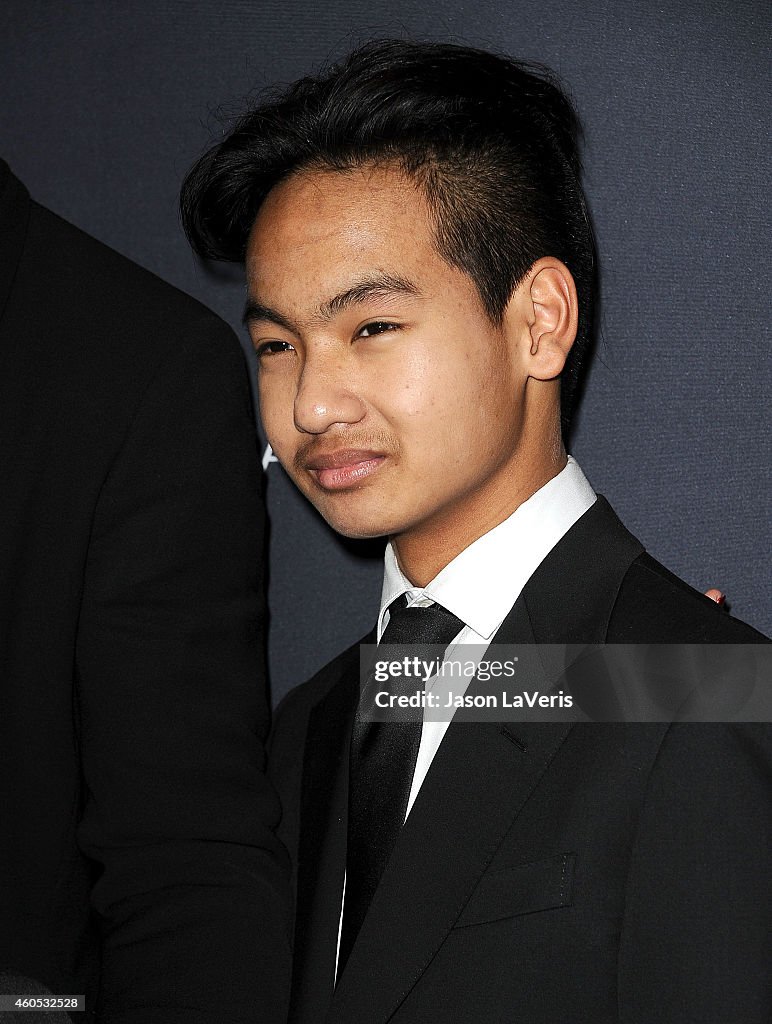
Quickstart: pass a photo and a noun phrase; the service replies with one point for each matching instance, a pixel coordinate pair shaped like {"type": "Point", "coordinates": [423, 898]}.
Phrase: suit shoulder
{"type": "Point", "coordinates": [108, 281]}
{"type": "Point", "coordinates": [120, 325]}
{"type": "Point", "coordinates": [656, 606]}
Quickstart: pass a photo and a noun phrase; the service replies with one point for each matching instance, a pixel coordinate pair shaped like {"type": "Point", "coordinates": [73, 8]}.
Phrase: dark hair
{"type": "Point", "coordinates": [493, 143]}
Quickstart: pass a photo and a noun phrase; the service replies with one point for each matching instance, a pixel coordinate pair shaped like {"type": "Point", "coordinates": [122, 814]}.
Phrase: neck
{"type": "Point", "coordinates": [423, 552]}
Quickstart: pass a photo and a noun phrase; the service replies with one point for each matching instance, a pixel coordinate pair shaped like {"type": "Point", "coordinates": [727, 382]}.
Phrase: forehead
{"type": "Point", "coordinates": [328, 218]}
{"type": "Point", "coordinates": [319, 197]}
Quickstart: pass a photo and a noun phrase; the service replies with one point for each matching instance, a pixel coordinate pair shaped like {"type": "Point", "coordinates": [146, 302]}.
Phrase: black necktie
{"type": "Point", "coordinates": [381, 767]}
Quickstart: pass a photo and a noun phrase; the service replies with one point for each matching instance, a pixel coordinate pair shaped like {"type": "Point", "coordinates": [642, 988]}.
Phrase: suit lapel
{"type": "Point", "coordinates": [458, 821]}
{"type": "Point", "coordinates": [480, 779]}
{"type": "Point", "coordinates": [572, 594]}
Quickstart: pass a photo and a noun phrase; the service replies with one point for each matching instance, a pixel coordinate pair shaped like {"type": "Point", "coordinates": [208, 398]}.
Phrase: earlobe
{"type": "Point", "coordinates": [551, 302]}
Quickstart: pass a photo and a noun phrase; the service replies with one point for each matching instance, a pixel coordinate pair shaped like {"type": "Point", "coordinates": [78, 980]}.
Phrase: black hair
{"type": "Point", "coordinates": [492, 142]}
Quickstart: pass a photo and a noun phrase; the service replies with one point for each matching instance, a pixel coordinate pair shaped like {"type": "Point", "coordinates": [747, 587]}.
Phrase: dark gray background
{"type": "Point", "coordinates": [105, 105]}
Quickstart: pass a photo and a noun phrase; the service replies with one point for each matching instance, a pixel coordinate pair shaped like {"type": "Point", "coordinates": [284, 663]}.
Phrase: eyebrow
{"type": "Point", "coordinates": [372, 287]}
{"type": "Point", "coordinates": [254, 311]}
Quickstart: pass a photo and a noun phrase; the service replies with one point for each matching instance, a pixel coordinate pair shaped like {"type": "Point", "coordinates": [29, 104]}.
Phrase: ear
{"type": "Point", "coordinates": [546, 306]}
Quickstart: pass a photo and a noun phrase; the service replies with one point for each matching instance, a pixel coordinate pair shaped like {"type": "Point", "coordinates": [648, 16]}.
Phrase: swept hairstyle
{"type": "Point", "coordinates": [492, 142]}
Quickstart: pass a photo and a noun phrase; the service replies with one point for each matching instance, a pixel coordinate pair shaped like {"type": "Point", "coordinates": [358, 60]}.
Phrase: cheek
{"type": "Point", "coordinates": [276, 408]}
{"type": "Point", "coordinates": [457, 384]}
{"type": "Point", "coordinates": [418, 405]}
{"type": "Point", "coordinates": [426, 381]}
{"type": "Point", "coordinates": [465, 412]}
{"type": "Point", "coordinates": [440, 399]}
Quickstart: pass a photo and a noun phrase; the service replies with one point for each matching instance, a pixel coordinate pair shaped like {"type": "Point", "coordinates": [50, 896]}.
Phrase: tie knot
{"type": "Point", "coordinates": [420, 624]}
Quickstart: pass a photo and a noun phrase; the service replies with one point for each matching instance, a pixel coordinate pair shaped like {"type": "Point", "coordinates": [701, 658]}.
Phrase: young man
{"type": "Point", "coordinates": [420, 268]}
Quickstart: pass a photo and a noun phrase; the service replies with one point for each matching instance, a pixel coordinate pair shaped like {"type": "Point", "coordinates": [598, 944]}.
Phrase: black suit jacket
{"type": "Point", "coordinates": [547, 872]}
{"type": "Point", "coordinates": [134, 808]}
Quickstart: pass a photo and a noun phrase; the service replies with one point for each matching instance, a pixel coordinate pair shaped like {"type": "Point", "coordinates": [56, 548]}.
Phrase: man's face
{"type": "Point", "coordinates": [385, 391]}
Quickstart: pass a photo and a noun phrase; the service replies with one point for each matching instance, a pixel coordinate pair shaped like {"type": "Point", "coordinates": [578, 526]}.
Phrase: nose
{"type": "Point", "coordinates": [326, 394]}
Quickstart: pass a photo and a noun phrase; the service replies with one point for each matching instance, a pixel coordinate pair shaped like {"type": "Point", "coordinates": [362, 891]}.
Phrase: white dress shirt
{"type": "Point", "coordinates": [482, 583]}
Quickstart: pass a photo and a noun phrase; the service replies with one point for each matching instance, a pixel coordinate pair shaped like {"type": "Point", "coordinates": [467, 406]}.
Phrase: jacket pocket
{"type": "Point", "coordinates": [524, 889]}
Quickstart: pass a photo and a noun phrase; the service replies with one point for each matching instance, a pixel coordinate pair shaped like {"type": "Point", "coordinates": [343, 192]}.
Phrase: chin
{"type": "Point", "coordinates": [356, 529]}
{"type": "Point", "coordinates": [358, 525]}
{"type": "Point", "coordinates": [364, 513]}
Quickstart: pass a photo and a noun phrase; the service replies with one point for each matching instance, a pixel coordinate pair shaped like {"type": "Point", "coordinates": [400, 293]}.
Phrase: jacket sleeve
{"type": "Point", "coordinates": [697, 933]}
{"type": "Point", "coordinates": [192, 884]}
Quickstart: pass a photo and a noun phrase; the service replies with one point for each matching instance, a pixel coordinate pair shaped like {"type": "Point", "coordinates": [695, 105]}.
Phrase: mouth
{"type": "Point", "coordinates": [345, 468]}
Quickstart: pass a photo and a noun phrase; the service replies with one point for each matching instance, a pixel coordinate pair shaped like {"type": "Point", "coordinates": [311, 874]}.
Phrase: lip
{"type": "Point", "coordinates": [344, 468]}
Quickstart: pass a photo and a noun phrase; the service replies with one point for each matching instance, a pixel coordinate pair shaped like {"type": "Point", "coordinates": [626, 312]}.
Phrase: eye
{"type": "Point", "coordinates": [272, 348]}
{"type": "Point", "coordinates": [376, 327]}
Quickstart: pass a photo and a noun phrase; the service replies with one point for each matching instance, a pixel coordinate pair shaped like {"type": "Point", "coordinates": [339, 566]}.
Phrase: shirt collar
{"type": "Point", "coordinates": [482, 583]}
